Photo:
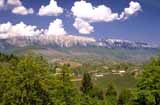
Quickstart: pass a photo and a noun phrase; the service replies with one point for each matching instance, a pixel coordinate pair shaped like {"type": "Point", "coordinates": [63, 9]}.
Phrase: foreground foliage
{"type": "Point", "coordinates": [31, 80]}
{"type": "Point", "coordinates": [148, 88]}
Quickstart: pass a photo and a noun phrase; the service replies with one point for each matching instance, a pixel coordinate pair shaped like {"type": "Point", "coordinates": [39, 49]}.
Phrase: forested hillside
{"type": "Point", "coordinates": [32, 80]}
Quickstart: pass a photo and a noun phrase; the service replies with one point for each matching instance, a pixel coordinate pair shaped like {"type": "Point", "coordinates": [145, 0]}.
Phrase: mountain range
{"type": "Point", "coordinates": [71, 46]}
{"type": "Point", "coordinates": [67, 41]}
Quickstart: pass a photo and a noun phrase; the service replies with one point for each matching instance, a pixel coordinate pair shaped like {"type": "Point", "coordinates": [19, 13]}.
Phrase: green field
{"type": "Point", "coordinates": [121, 82]}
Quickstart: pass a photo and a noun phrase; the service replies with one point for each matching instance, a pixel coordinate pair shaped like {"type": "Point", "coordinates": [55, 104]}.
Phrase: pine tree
{"type": "Point", "coordinates": [111, 95]}
{"type": "Point", "coordinates": [124, 98]}
{"type": "Point", "coordinates": [86, 84]}
{"type": "Point", "coordinates": [67, 92]}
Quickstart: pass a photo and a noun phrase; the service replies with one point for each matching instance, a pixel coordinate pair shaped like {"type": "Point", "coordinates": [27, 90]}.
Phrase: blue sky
{"type": "Point", "coordinates": [142, 25]}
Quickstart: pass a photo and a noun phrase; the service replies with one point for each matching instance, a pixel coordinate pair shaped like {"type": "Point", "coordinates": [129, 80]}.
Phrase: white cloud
{"type": "Point", "coordinates": [9, 30]}
{"type": "Point", "coordinates": [50, 10]}
{"type": "Point", "coordinates": [87, 11]}
{"type": "Point", "coordinates": [82, 26]}
{"type": "Point", "coordinates": [25, 30]}
{"type": "Point", "coordinates": [56, 28]}
{"type": "Point", "coordinates": [2, 3]}
{"type": "Point", "coordinates": [14, 2]}
{"type": "Point", "coordinates": [21, 10]}
{"type": "Point", "coordinates": [18, 8]}
{"type": "Point", "coordinates": [133, 8]}
{"type": "Point", "coordinates": [5, 27]}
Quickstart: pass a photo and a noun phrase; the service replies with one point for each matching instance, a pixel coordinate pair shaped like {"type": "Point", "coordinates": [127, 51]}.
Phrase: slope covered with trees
{"type": "Point", "coordinates": [31, 80]}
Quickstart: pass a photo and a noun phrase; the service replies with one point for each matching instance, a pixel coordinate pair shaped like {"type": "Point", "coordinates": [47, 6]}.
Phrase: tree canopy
{"type": "Point", "coordinates": [31, 80]}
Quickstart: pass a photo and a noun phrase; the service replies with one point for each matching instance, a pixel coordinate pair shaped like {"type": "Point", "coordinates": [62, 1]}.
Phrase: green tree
{"type": "Point", "coordinates": [124, 98]}
{"type": "Point", "coordinates": [87, 84]}
{"type": "Point", "coordinates": [87, 100]}
{"type": "Point", "coordinates": [68, 94]}
{"type": "Point", "coordinates": [30, 82]}
{"type": "Point", "coordinates": [148, 87]}
{"type": "Point", "coordinates": [111, 95]}
{"type": "Point", "coordinates": [97, 93]}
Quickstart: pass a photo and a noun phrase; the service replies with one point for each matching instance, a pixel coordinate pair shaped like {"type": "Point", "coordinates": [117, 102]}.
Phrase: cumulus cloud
{"type": "Point", "coordinates": [133, 8]}
{"type": "Point", "coordinates": [14, 2]}
{"type": "Point", "coordinates": [5, 27]}
{"type": "Point", "coordinates": [82, 26]}
{"type": "Point", "coordinates": [56, 28]}
{"type": "Point", "coordinates": [52, 9]}
{"type": "Point", "coordinates": [8, 30]}
{"type": "Point", "coordinates": [17, 7]}
{"type": "Point", "coordinates": [21, 10]}
{"type": "Point", "coordinates": [1, 3]}
{"type": "Point", "coordinates": [87, 11]}
{"type": "Point", "coordinates": [85, 14]}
